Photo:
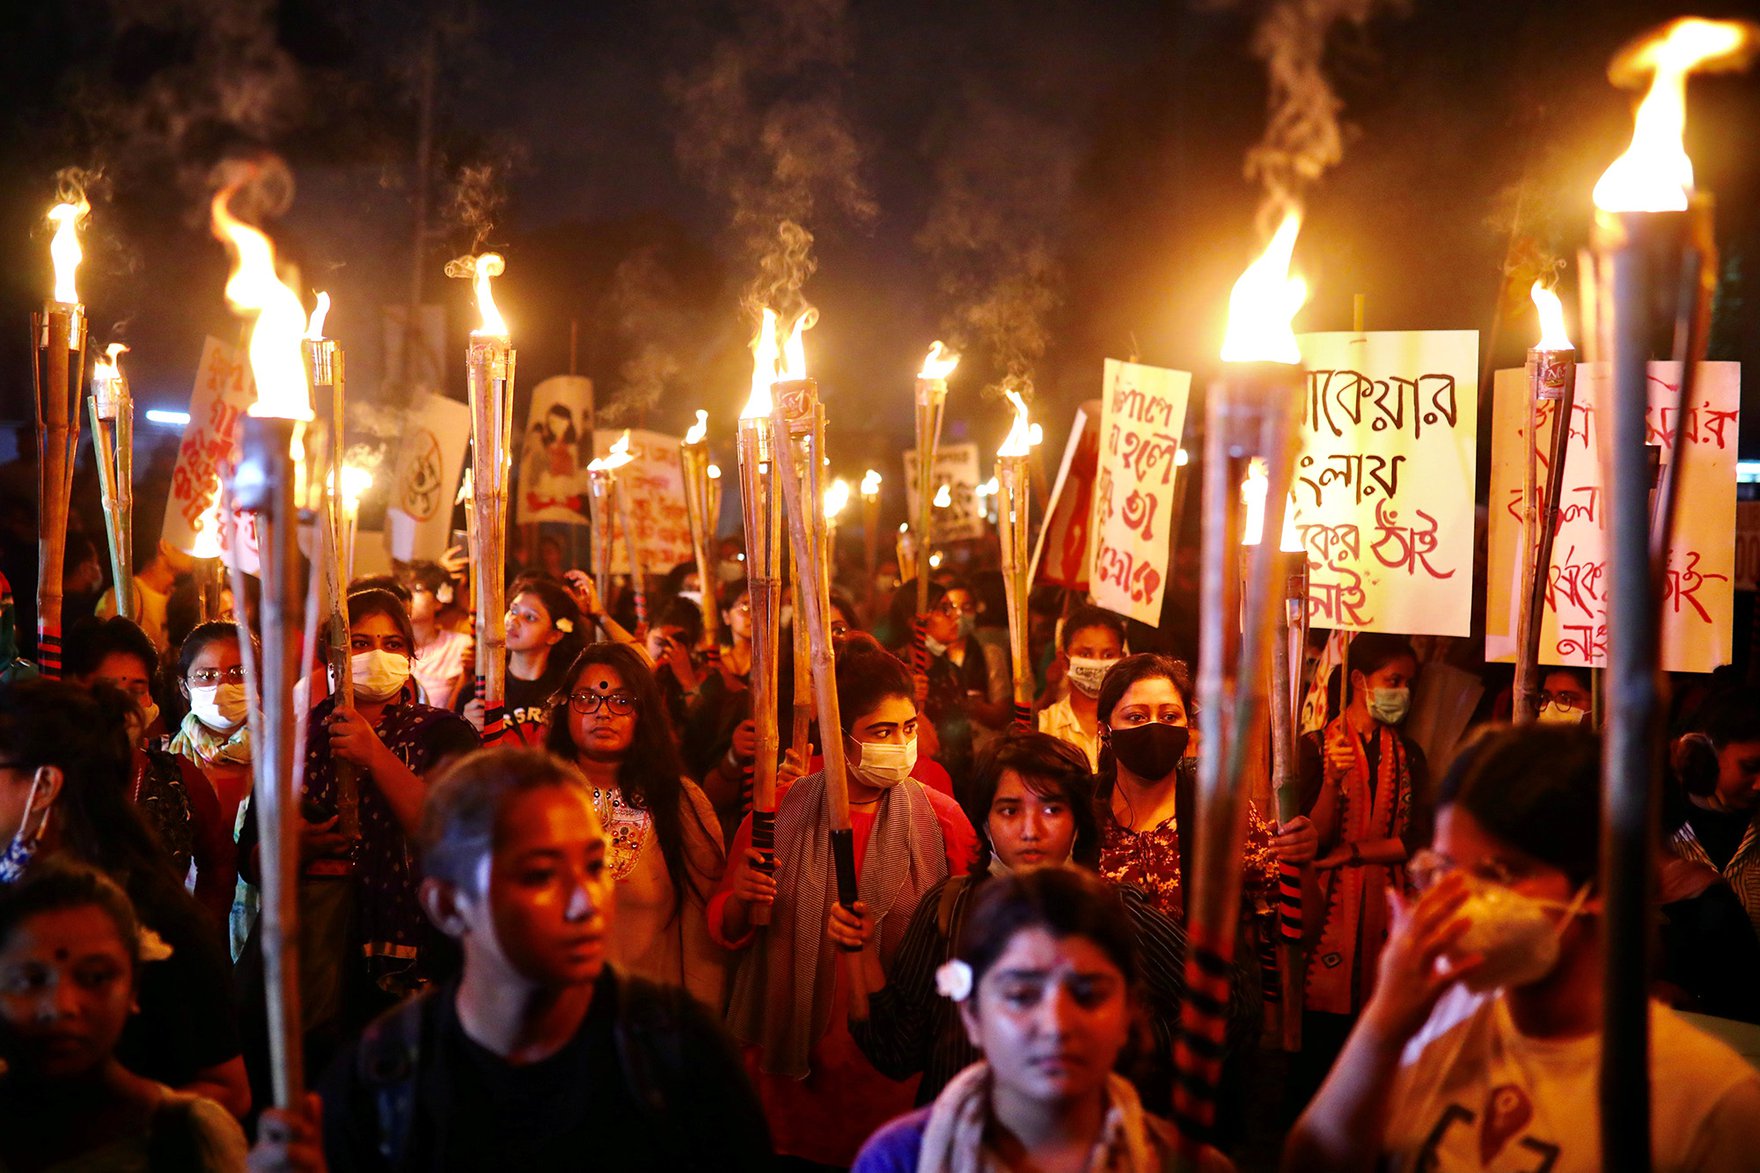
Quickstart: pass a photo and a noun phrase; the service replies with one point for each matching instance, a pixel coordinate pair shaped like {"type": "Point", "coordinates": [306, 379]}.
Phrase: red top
{"type": "Point", "coordinates": [827, 1116]}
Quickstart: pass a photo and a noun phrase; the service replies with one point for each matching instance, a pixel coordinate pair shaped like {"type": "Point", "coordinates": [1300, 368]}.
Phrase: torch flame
{"type": "Point", "coordinates": [794, 351]}
{"type": "Point", "coordinates": [1253, 491]}
{"type": "Point", "coordinates": [1019, 441]}
{"type": "Point", "coordinates": [714, 472]}
{"type": "Point", "coordinates": [939, 362]}
{"type": "Point", "coordinates": [315, 328]}
{"type": "Point", "coordinates": [207, 530]}
{"type": "Point", "coordinates": [764, 353]}
{"type": "Point", "coordinates": [1655, 175]}
{"type": "Point", "coordinates": [1553, 335]}
{"type": "Point", "coordinates": [699, 430]}
{"type": "Point", "coordinates": [618, 456]}
{"type": "Point", "coordinates": [464, 487]}
{"type": "Point", "coordinates": [108, 366]}
{"type": "Point", "coordinates": [943, 497]}
{"type": "Point", "coordinates": [356, 480]}
{"type": "Point", "coordinates": [276, 359]}
{"type": "Point", "coordinates": [870, 484]}
{"type": "Point", "coordinates": [64, 248]}
{"type": "Point", "coordinates": [1265, 301]}
{"type": "Point", "coordinates": [494, 325]}
{"type": "Point", "coordinates": [836, 498]}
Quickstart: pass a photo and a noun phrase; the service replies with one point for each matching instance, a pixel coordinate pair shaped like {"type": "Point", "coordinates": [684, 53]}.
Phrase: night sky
{"type": "Point", "coordinates": [1071, 169]}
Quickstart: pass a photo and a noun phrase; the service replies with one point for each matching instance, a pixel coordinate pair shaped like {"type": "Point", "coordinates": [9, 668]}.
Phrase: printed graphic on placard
{"type": "Point", "coordinates": [223, 393]}
{"type": "Point", "coordinates": [1143, 411]}
{"type": "Point", "coordinates": [554, 451]}
{"type": "Point", "coordinates": [1699, 592]}
{"type": "Point", "coordinates": [1383, 487]}
{"type": "Point", "coordinates": [652, 488]}
{"type": "Point", "coordinates": [425, 476]}
{"type": "Point", "coordinates": [956, 470]}
{"type": "Point", "coordinates": [1061, 557]}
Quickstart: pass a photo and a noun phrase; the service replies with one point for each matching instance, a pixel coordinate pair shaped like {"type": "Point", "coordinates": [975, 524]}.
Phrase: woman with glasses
{"type": "Point", "coordinates": [543, 637]}
{"type": "Point", "coordinates": [363, 938]}
{"type": "Point", "coordinates": [666, 847]}
{"type": "Point", "coordinates": [1480, 1046]}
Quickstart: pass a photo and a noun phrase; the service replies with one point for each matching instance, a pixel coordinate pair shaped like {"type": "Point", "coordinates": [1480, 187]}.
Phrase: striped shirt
{"type": "Point", "coordinates": [1742, 871]}
{"type": "Point", "coordinates": [911, 1028]}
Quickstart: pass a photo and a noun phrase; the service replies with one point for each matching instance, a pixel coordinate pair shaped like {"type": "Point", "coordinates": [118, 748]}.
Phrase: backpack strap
{"type": "Point", "coordinates": [387, 1064]}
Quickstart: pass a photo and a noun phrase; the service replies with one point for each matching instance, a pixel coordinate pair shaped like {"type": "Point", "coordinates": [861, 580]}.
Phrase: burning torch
{"type": "Point", "coordinates": [112, 409]}
{"type": "Point", "coordinates": [693, 459]}
{"type": "Point", "coordinates": [1253, 409]}
{"type": "Point", "coordinates": [1013, 492]}
{"type": "Point", "coordinates": [59, 369]}
{"type": "Point", "coordinates": [931, 400]}
{"type": "Point", "coordinates": [1651, 269]}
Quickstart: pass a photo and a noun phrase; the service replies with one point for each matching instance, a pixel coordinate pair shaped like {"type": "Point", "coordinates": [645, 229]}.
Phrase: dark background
{"type": "Point", "coordinates": [1090, 153]}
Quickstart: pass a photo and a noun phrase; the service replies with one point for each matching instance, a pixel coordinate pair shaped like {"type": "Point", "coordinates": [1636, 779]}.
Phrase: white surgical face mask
{"type": "Point", "coordinates": [378, 675]}
{"type": "Point", "coordinates": [1086, 673]}
{"type": "Point", "coordinates": [1517, 935]}
{"type": "Point", "coordinates": [885, 763]}
{"type": "Point", "coordinates": [221, 707]}
{"type": "Point", "coordinates": [935, 646]}
{"type": "Point", "coordinates": [1554, 715]}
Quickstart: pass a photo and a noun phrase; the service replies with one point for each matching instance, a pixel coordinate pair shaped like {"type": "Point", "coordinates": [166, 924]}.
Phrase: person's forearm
{"type": "Point", "coordinates": [1343, 1127]}
{"type": "Point", "coordinates": [1383, 851]}
{"type": "Point", "coordinates": [404, 792]}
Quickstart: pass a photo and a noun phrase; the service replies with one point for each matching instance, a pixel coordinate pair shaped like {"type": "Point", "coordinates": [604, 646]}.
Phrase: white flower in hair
{"type": "Point", "coordinates": [565, 626]}
{"type": "Point", "coordinates": [954, 980]}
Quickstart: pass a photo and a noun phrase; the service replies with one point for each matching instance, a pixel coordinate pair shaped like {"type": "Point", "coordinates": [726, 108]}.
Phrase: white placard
{"type": "Point", "coordinates": [956, 466]}
{"type": "Point", "coordinates": [1384, 484]}
{"type": "Point", "coordinates": [554, 451]}
{"type": "Point", "coordinates": [425, 477]}
{"type": "Point", "coordinates": [1699, 594]}
{"type": "Point", "coordinates": [223, 393]}
{"type": "Point", "coordinates": [1143, 411]}
{"type": "Point", "coordinates": [652, 489]}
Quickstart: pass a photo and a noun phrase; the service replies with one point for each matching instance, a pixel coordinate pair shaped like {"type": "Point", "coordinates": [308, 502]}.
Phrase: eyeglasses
{"type": "Point", "coordinates": [586, 702]}
{"type": "Point", "coordinates": [210, 676]}
{"type": "Point", "coordinates": [954, 611]}
{"type": "Point", "coordinates": [1427, 869]}
{"type": "Point", "coordinates": [1564, 700]}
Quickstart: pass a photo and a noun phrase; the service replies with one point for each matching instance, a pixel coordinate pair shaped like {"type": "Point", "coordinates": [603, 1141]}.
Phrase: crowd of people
{"type": "Point", "coordinates": [570, 949]}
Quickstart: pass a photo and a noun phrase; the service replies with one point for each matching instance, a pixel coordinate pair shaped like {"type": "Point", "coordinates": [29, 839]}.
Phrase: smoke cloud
{"type": "Point", "coordinates": [644, 301]}
{"type": "Point", "coordinates": [761, 122]}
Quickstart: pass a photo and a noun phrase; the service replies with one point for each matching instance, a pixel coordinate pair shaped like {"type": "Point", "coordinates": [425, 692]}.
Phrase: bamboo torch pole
{"type": "Point", "coordinates": [1252, 409]}
{"type": "Point", "coordinates": [870, 490]}
{"type": "Point", "coordinates": [931, 401]}
{"type": "Point", "coordinates": [758, 505]}
{"type": "Point", "coordinates": [266, 482]}
{"type": "Point", "coordinates": [112, 411]}
{"type": "Point", "coordinates": [489, 366]}
{"type": "Point", "coordinates": [1552, 385]}
{"type": "Point", "coordinates": [693, 460]}
{"type": "Point", "coordinates": [800, 436]}
{"type": "Point", "coordinates": [1013, 492]}
{"type": "Point", "coordinates": [1652, 263]}
{"type": "Point", "coordinates": [58, 354]}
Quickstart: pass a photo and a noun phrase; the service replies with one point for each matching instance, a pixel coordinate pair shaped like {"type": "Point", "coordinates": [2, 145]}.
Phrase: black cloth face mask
{"type": "Point", "coordinates": [1151, 751]}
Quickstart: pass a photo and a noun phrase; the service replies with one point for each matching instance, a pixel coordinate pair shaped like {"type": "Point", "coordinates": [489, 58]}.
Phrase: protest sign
{"type": "Point", "coordinates": [1383, 487]}
{"type": "Point", "coordinates": [1143, 412]}
{"type": "Point", "coordinates": [554, 451]}
{"type": "Point", "coordinates": [425, 476]}
{"type": "Point", "coordinates": [1699, 591]}
{"type": "Point", "coordinates": [652, 488]}
{"type": "Point", "coordinates": [223, 393]}
{"type": "Point", "coordinates": [1061, 557]}
{"type": "Point", "coordinates": [956, 466]}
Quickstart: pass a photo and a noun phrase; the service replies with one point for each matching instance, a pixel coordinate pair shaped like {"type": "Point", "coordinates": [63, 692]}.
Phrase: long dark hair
{"type": "Point", "coordinates": [52, 723]}
{"type": "Point", "coordinates": [1118, 681]}
{"type": "Point", "coordinates": [651, 772]}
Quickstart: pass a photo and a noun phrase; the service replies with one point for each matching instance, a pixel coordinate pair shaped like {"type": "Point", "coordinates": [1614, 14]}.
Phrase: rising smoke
{"type": "Point", "coordinates": [643, 302]}
{"type": "Point", "coordinates": [761, 123]}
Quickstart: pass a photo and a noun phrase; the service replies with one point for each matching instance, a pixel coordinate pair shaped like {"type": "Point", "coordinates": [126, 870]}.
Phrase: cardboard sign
{"type": "Point", "coordinates": [425, 477]}
{"type": "Point", "coordinates": [554, 451]}
{"type": "Point", "coordinates": [1143, 412]}
{"type": "Point", "coordinates": [652, 488]}
{"type": "Point", "coordinates": [223, 393]}
{"type": "Point", "coordinates": [1061, 556]}
{"type": "Point", "coordinates": [1383, 488]}
{"type": "Point", "coordinates": [956, 466]}
{"type": "Point", "coordinates": [1699, 594]}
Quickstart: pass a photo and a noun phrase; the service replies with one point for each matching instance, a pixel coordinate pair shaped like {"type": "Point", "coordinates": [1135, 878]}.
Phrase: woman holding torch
{"type": "Point", "coordinates": [543, 637]}
{"type": "Point", "coordinates": [821, 1095]}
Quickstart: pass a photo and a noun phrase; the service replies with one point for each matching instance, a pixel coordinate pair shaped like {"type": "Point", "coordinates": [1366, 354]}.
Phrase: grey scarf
{"type": "Point", "coordinates": [782, 989]}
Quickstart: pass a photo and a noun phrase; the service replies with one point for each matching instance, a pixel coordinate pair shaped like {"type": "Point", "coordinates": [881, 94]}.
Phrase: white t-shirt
{"type": "Point", "coordinates": [1474, 1093]}
{"type": "Point", "coordinates": [436, 667]}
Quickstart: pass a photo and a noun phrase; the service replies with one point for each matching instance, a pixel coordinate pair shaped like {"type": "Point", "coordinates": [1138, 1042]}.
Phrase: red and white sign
{"type": "Point", "coordinates": [223, 393]}
{"type": "Point", "coordinates": [651, 487]}
{"type": "Point", "coordinates": [1143, 411]}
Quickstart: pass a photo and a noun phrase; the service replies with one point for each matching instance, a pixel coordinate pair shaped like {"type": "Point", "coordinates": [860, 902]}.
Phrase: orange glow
{"type": "Point", "coordinates": [699, 430]}
{"type": "Point", "coordinates": [870, 485]}
{"type": "Point", "coordinates": [1019, 441]}
{"type": "Point", "coordinates": [488, 265]}
{"type": "Point", "coordinates": [1264, 303]}
{"type": "Point", "coordinates": [794, 351]}
{"type": "Point", "coordinates": [1253, 491]}
{"type": "Point", "coordinates": [943, 497]}
{"type": "Point", "coordinates": [1655, 175]}
{"type": "Point", "coordinates": [616, 458]}
{"type": "Point", "coordinates": [836, 498]}
{"type": "Point", "coordinates": [939, 362]}
{"type": "Point", "coordinates": [277, 361]}
{"type": "Point", "coordinates": [315, 327]}
{"type": "Point", "coordinates": [64, 249]}
{"type": "Point", "coordinates": [1553, 335]}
